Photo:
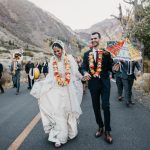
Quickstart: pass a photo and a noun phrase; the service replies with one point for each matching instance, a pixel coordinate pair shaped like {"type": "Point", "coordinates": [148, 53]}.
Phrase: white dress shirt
{"type": "Point", "coordinates": [94, 53]}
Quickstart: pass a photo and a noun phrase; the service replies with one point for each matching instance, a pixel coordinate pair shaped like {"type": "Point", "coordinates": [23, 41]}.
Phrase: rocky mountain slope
{"type": "Point", "coordinates": [110, 29]}
{"type": "Point", "coordinates": [22, 24]}
{"type": "Point", "coordinates": [25, 25]}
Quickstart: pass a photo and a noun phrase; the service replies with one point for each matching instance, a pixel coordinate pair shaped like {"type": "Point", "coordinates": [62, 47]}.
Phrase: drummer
{"type": "Point", "coordinates": [29, 71]}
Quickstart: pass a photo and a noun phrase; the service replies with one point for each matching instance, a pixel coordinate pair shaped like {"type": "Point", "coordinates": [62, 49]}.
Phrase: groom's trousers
{"type": "Point", "coordinates": [100, 87]}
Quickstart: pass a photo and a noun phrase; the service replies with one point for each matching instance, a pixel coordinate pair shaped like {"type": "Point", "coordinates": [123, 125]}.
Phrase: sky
{"type": "Point", "coordinates": [80, 14]}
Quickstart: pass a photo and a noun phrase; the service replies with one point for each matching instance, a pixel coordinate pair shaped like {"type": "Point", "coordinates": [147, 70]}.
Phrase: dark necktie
{"type": "Point", "coordinates": [128, 67]}
{"type": "Point", "coordinates": [96, 56]}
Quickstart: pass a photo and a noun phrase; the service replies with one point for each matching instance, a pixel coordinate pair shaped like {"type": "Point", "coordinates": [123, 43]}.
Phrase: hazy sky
{"type": "Point", "coordinates": [80, 14]}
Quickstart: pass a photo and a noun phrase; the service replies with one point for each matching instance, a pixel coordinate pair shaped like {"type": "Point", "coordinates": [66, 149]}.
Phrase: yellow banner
{"type": "Point", "coordinates": [133, 52]}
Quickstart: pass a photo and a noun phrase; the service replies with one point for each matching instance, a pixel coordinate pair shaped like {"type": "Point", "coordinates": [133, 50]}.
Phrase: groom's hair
{"type": "Point", "coordinates": [99, 35]}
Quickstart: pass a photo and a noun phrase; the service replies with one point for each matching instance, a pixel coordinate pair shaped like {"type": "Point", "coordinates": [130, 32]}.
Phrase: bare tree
{"type": "Point", "coordinates": [124, 20]}
{"type": "Point", "coordinates": [105, 32]}
{"type": "Point", "coordinates": [137, 7]}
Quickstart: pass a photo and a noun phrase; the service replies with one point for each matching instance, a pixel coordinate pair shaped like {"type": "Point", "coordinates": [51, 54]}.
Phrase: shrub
{"type": "Point", "coordinates": [28, 53]}
{"type": "Point", "coordinates": [6, 77]}
{"type": "Point", "coordinates": [146, 86]}
{"type": "Point", "coordinates": [146, 66]}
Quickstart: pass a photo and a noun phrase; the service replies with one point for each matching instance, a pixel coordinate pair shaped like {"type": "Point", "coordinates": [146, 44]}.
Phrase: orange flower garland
{"type": "Point", "coordinates": [96, 72]}
{"type": "Point", "coordinates": [60, 81]}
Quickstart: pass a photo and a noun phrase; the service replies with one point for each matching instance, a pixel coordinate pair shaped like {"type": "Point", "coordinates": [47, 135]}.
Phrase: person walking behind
{"type": "Point", "coordinates": [45, 68]}
{"type": "Point", "coordinates": [27, 69]}
{"type": "Point", "coordinates": [1, 71]}
{"type": "Point", "coordinates": [15, 69]}
{"type": "Point", "coordinates": [128, 77]}
{"type": "Point", "coordinates": [39, 66]}
{"type": "Point", "coordinates": [118, 76]}
{"type": "Point", "coordinates": [29, 66]}
{"type": "Point", "coordinates": [31, 75]}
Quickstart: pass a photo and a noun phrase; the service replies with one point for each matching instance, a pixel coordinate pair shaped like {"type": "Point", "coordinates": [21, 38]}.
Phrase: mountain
{"type": "Point", "coordinates": [26, 25]}
{"type": "Point", "coordinates": [109, 29]}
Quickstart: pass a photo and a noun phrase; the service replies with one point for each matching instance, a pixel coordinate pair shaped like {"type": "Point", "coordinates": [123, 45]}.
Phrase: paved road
{"type": "Point", "coordinates": [130, 126]}
{"type": "Point", "coordinates": [16, 111]}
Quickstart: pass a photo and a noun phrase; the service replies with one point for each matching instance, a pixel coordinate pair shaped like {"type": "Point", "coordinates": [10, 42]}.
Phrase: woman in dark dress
{"type": "Point", "coordinates": [45, 68]}
{"type": "Point", "coordinates": [79, 62]}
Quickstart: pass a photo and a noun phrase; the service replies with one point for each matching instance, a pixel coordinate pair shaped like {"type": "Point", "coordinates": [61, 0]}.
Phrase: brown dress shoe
{"type": "Point", "coordinates": [108, 137]}
{"type": "Point", "coordinates": [120, 98]}
{"type": "Point", "coordinates": [99, 132]}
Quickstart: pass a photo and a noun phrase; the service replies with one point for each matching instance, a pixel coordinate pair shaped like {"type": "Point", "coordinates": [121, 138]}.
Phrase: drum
{"type": "Point", "coordinates": [36, 73]}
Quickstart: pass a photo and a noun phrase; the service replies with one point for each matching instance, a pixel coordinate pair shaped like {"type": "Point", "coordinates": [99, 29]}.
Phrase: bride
{"type": "Point", "coordinates": [59, 96]}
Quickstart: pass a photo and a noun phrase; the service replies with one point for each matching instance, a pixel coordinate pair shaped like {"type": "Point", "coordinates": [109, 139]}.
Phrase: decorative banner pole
{"type": "Point", "coordinates": [124, 50]}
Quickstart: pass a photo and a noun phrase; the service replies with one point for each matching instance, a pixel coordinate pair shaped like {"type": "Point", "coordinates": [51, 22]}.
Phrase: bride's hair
{"type": "Point", "coordinates": [57, 45]}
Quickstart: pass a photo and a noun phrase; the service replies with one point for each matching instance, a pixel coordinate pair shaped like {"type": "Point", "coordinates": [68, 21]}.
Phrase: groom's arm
{"type": "Point", "coordinates": [85, 66]}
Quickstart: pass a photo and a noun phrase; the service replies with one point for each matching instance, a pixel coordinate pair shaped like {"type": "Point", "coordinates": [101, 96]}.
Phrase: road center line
{"type": "Point", "coordinates": [19, 140]}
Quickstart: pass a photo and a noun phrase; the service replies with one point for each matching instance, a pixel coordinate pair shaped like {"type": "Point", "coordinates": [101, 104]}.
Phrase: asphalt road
{"type": "Point", "coordinates": [130, 126]}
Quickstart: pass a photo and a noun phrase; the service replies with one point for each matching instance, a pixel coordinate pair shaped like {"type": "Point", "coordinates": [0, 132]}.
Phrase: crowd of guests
{"type": "Point", "coordinates": [125, 75]}
{"type": "Point", "coordinates": [15, 69]}
{"type": "Point", "coordinates": [29, 69]}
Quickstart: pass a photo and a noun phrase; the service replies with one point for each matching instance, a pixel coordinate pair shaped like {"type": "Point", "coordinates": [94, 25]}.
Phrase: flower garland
{"type": "Point", "coordinates": [95, 72]}
{"type": "Point", "coordinates": [60, 81]}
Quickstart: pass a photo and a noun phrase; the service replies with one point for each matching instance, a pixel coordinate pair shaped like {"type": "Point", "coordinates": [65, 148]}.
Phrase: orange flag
{"type": "Point", "coordinates": [115, 48]}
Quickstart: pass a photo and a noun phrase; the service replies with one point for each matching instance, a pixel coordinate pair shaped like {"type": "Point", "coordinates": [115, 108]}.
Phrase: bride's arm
{"type": "Point", "coordinates": [50, 76]}
{"type": "Point", "coordinates": [74, 68]}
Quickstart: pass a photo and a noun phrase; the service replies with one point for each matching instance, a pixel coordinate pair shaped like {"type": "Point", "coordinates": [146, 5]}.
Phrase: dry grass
{"type": "Point", "coordinates": [146, 66]}
{"type": "Point", "coordinates": [138, 83]}
{"type": "Point", "coordinates": [146, 86]}
{"type": "Point", "coordinates": [143, 83]}
{"type": "Point", "coordinates": [28, 53]}
{"type": "Point", "coordinates": [7, 78]}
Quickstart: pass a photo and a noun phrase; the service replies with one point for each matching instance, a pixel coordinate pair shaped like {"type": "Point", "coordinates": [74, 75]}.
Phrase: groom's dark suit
{"type": "Point", "coordinates": [100, 86]}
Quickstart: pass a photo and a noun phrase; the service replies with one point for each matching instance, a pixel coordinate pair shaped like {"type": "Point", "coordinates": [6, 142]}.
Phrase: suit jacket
{"type": "Point", "coordinates": [106, 67]}
{"type": "Point", "coordinates": [28, 66]}
{"type": "Point", "coordinates": [1, 70]}
{"type": "Point", "coordinates": [117, 73]}
{"type": "Point", "coordinates": [124, 70]}
{"type": "Point", "coordinates": [45, 67]}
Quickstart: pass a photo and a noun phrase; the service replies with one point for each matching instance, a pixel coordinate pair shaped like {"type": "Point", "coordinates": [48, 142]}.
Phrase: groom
{"type": "Point", "coordinates": [97, 63]}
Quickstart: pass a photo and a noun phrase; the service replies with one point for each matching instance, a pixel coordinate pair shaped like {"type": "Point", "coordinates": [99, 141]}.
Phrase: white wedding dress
{"type": "Point", "coordinates": [60, 106]}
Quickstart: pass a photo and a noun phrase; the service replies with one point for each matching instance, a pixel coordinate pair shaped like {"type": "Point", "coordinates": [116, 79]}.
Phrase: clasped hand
{"type": "Point", "coordinates": [86, 77]}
